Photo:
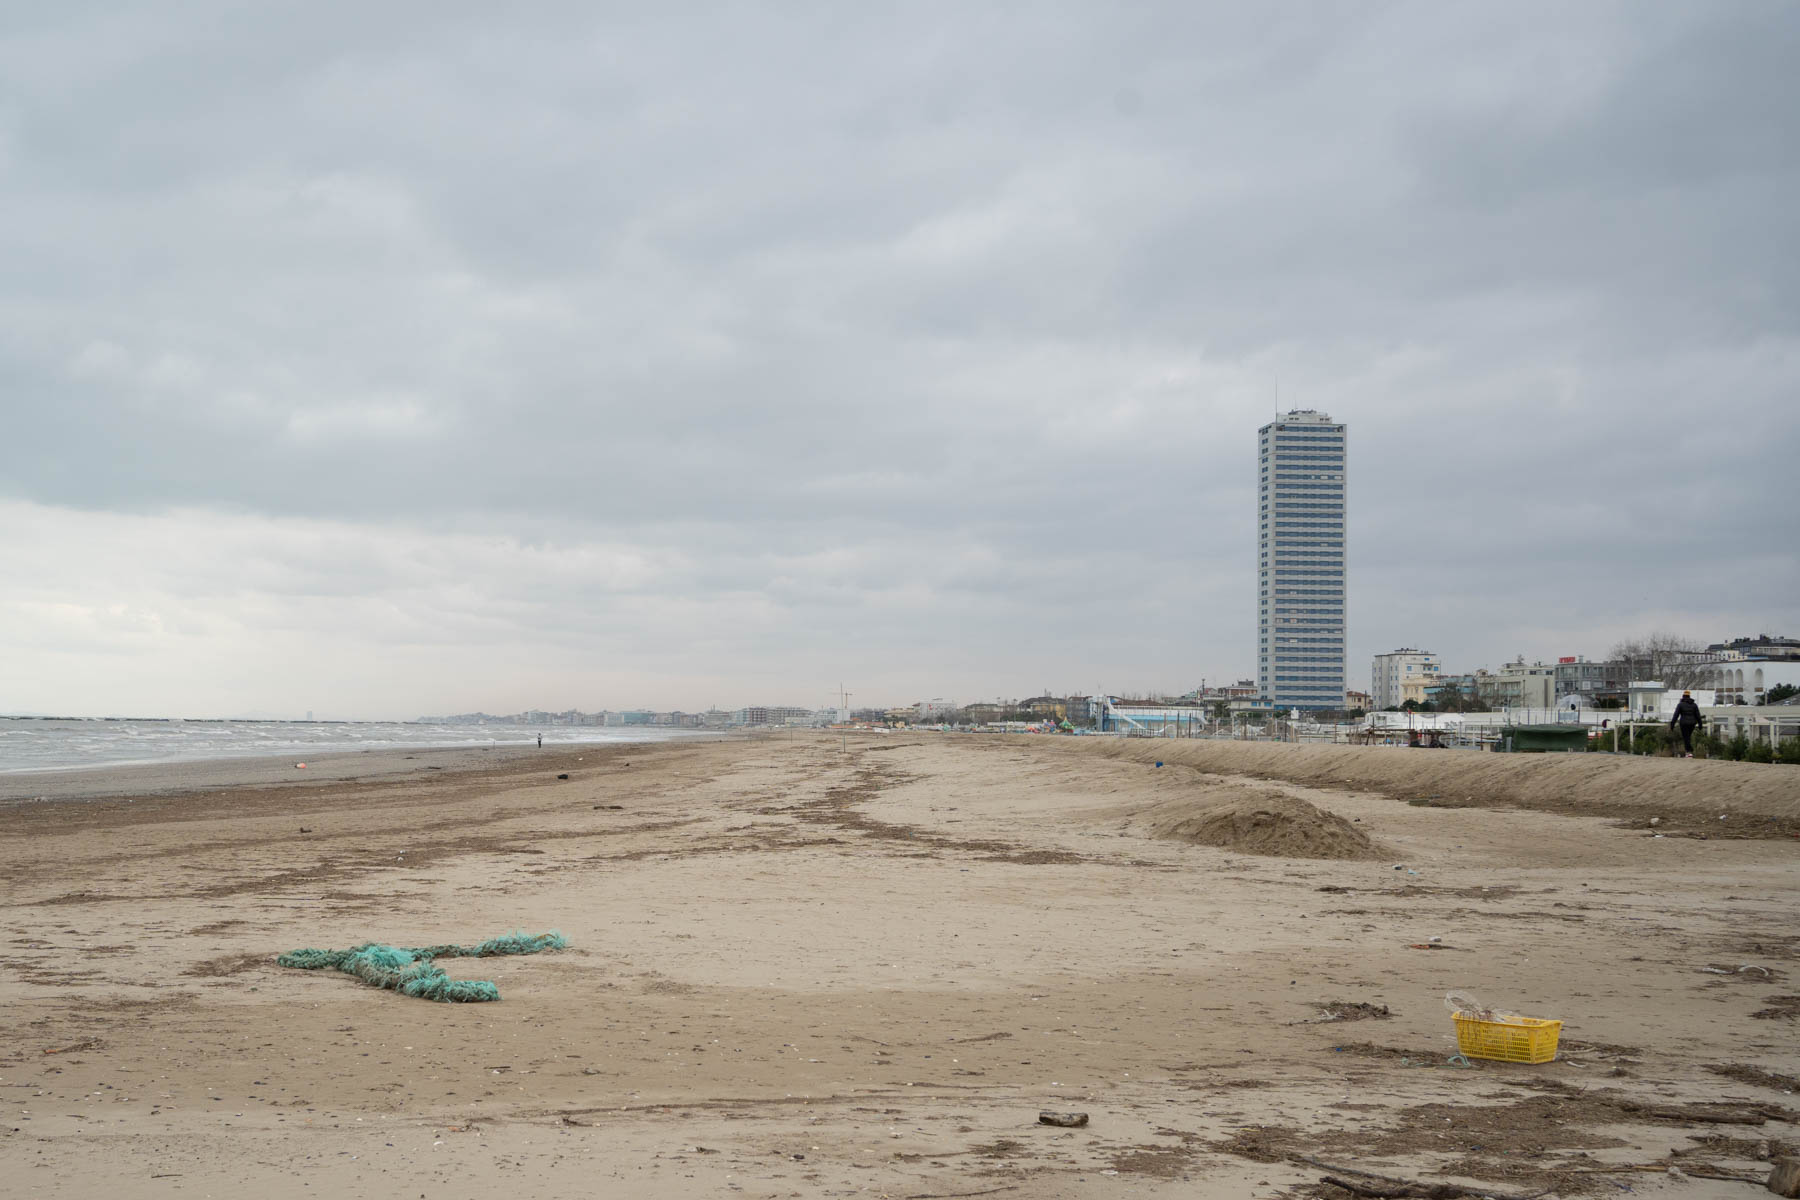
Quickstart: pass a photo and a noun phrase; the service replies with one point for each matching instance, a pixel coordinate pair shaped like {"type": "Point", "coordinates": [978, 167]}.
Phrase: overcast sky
{"type": "Point", "coordinates": [395, 359]}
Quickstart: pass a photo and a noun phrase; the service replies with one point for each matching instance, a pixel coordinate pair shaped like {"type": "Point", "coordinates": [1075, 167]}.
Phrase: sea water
{"type": "Point", "coordinates": [28, 744]}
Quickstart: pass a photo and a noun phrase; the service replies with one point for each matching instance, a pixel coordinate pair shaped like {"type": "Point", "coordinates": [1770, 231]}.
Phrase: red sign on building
{"type": "Point", "coordinates": [1569, 658]}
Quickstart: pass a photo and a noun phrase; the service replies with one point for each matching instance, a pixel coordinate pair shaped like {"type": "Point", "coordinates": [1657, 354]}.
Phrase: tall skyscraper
{"type": "Point", "coordinates": [1300, 561]}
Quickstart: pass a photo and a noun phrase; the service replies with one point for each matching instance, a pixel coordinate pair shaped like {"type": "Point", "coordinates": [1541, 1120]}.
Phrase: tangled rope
{"type": "Point", "coordinates": [411, 972]}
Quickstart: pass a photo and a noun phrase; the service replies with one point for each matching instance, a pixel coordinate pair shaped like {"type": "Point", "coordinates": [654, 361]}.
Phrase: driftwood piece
{"type": "Point", "coordinates": [1682, 1112]}
{"type": "Point", "coordinates": [1067, 1120]}
{"type": "Point", "coordinates": [1784, 1180]}
{"type": "Point", "coordinates": [1389, 1186]}
{"type": "Point", "coordinates": [1435, 1192]}
{"type": "Point", "coordinates": [1744, 1112]}
{"type": "Point", "coordinates": [1697, 1170]}
{"type": "Point", "coordinates": [1422, 1191]}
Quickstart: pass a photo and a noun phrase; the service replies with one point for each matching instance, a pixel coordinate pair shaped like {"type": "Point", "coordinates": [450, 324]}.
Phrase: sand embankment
{"type": "Point", "coordinates": [1759, 799]}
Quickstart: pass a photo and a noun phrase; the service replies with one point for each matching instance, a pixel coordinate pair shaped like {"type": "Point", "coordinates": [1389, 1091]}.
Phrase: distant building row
{"type": "Point", "coordinates": [1201, 708]}
{"type": "Point", "coordinates": [751, 715]}
{"type": "Point", "coordinates": [1742, 671]}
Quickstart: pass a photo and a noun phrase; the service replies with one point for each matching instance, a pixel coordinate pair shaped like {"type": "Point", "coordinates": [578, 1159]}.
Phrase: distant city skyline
{"type": "Point", "coordinates": [1738, 665]}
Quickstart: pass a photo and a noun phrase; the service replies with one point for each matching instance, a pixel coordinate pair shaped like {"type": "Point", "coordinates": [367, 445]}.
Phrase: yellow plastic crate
{"type": "Point", "coordinates": [1521, 1039]}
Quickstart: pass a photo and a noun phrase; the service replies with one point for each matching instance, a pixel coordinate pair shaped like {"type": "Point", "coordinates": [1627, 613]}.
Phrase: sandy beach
{"type": "Point", "coordinates": [811, 966]}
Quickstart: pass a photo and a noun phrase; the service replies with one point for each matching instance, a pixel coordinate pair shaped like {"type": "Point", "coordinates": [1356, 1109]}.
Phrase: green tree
{"type": "Point", "coordinates": [1451, 698]}
{"type": "Point", "coordinates": [1780, 692]}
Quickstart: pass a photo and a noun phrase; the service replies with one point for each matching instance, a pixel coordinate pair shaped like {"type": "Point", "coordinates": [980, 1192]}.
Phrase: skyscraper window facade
{"type": "Point", "coordinates": [1300, 610]}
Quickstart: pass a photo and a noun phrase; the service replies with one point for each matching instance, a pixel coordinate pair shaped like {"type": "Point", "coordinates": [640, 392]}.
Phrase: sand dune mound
{"type": "Point", "coordinates": [1257, 822]}
{"type": "Point", "coordinates": [1588, 785]}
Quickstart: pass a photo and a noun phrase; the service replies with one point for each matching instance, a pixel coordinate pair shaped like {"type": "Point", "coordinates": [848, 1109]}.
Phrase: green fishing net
{"type": "Point", "coordinates": [411, 972]}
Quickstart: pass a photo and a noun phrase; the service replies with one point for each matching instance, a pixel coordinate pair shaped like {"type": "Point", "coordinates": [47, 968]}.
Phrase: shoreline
{"type": "Point", "coordinates": [124, 781]}
{"type": "Point", "coordinates": [38, 749]}
{"type": "Point", "coordinates": [166, 777]}
{"type": "Point", "coordinates": [117, 781]}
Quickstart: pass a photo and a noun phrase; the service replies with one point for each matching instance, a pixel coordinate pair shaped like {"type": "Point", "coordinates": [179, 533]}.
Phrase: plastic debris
{"type": "Point", "coordinates": [411, 971]}
{"type": "Point", "coordinates": [1467, 1005]}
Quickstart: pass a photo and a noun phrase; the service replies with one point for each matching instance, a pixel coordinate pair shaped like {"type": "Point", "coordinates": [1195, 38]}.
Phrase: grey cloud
{"type": "Point", "coordinates": [925, 318]}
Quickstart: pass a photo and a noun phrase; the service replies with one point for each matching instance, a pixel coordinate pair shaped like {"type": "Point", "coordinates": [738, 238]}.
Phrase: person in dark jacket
{"type": "Point", "coordinates": [1687, 718]}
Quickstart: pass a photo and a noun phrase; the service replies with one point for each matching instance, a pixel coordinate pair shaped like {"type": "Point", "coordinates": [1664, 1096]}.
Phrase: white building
{"type": "Point", "coordinates": [1519, 685]}
{"type": "Point", "coordinates": [1395, 669]}
{"type": "Point", "coordinates": [1651, 700]}
{"type": "Point", "coordinates": [1772, 723]}
{"type": "Point", "coordinates": [1151, 717]}
{"type": "Point", "coordinates": [1300, 610]}
{"type": "Point", "coordinates": [1748, 680]}
{"type": "Point", "coordinates": [935, 709]}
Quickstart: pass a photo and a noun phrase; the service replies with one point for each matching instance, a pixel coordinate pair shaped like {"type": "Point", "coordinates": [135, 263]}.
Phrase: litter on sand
{"type": "Point", "coordinates": [1482, 1032]}
{"type": "Point", "coordinates": [411, 971]}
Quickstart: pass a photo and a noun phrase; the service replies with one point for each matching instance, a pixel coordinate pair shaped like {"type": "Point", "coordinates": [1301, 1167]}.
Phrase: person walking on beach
{"type": "Point", "coordinates": [540, 741]}
{"type": "Point", "coordinates": [1687, 718]}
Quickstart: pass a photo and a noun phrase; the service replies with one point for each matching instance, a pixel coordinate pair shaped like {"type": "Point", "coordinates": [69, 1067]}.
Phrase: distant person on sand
{"type": "Point", "coordinates": [540, 741]}
{"type": "Point", "coordinates": [1687, 718]}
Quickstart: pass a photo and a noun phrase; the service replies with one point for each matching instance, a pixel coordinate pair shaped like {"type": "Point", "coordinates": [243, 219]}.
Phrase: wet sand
{"type": "Point", "coordinates": [177, 778]}
{"type": "Point", "coordinates": [797, 970]}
